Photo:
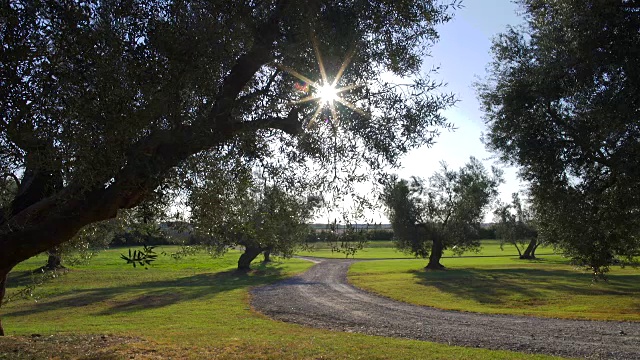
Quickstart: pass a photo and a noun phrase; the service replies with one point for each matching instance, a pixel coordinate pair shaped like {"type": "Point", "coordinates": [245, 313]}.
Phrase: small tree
{"type": "Point", "coordinates": [446, 212]}
{"type": "Point", "coordinates": [515, 225]}
{"type": "Point", "coordinates": [260, 220]}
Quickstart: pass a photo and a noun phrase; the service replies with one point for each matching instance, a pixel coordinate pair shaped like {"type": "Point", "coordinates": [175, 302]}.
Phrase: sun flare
{"type": "Point", "coordinates": [327, 94]}
{"type": "Point", "coordinates": [324, 92]}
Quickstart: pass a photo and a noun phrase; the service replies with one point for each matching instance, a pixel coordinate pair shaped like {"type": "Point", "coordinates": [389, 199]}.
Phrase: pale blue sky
{"type": "Point", "coordinates": [463, 53]}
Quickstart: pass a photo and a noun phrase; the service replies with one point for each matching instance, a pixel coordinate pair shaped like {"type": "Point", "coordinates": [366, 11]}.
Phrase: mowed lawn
{"type": "Point", "coordinates": [386, 250]}
{"type": "Point", "coordinates": [548, 287]}
{"type": "Point", "coordinates": [195, 308]}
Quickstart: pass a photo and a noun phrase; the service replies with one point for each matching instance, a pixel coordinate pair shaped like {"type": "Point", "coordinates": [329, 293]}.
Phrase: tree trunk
{"type": "Point", "coordinates": [436, 254]}
{"type": "Point", "coordinates": [530, 252]}
{"type": "Point", "coordinates": [250, 253]}
{"type": "Point", "coordinates": [518, 248]}
{"type": "Point", "coordinates": [54, 262]}
{"type": "Point", "coordinates": [3, 286]}
{"type": "Point", "coordinates": [267, 254]}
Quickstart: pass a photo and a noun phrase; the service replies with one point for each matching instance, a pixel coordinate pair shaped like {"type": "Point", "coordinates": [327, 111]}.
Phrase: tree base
{"type": "Point", "coordinates": [527, 257]}
{"type": "Point", "coordinates": [436, 266]}
{"type": "Point", "coordinates": [249, 254]}
{"type": "Point", "coordinates": [47, 268]}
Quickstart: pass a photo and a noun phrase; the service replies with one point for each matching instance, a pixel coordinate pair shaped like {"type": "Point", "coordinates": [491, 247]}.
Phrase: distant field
{"type": "Point", "coordinates": [549, 287]}
{"type": "Point", "coordinates": [387, 250]}
{"type": "Point", "coordinates": [195, 308]}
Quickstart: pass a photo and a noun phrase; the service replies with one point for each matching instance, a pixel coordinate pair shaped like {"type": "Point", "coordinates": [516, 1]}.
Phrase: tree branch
{"type": "Point", "coordinates": [247, 66]}
{"type": "Point", "coordinates": [262, 91]}
{"type": "Point", "coordinates": [290, 125]}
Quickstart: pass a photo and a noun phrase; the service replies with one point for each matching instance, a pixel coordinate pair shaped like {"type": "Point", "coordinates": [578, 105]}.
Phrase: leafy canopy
{"type": "Point", "coordinates": [263, 217]}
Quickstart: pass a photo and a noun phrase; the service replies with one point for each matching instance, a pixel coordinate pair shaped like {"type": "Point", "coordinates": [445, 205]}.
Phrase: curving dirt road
{"type": "Point", "coordinates": [321, 297]}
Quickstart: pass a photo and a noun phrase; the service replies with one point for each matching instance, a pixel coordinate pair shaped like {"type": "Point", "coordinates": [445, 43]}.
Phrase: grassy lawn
{"type": "Point", "coordinates": [386, 250]}
{"type": "Point", "coordinates": [195, 308]}
{"type": "Point", "coordinates": [548, 287]}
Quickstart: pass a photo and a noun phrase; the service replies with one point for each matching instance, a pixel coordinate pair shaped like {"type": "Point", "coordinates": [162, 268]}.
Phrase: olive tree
{"type": "Point", "coordinates": [444, 212]}
{"type": "Point", "coordinates": [259, 218]}
{"type": "Point", "coordinates": [562, 102]}
{"type": "Point", "coordinates": [104, 102]}
{"type": "Point", "coordinates": [515, 224]}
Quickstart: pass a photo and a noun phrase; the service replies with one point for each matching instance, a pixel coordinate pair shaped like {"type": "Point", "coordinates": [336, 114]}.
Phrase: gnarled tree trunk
{"type": "Point", "coordinates": [37, 184]}
{"type": "Point", "coordinates": [267, 254]}
{"type": "Point", "coordinates": [54, 262]}
{"type": "Point", "coordinates": [530, 252]}
{"type": "Point", "coordinates": [250, 253]}
{"type": "Point", "coordinates": [437, 249]}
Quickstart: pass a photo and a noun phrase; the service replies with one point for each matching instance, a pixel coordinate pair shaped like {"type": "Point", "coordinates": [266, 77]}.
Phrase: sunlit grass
{"type": "Point", "coordinates": [386, 250]}
{"type": "Point", "coordinates": [195, 308]}
{"type": "Point", "coordinates": [549, 287]}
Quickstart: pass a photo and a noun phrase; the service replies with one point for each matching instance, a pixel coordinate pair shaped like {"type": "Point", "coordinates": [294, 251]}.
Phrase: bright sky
{"type": "Point", "coordinates": [463, 53]}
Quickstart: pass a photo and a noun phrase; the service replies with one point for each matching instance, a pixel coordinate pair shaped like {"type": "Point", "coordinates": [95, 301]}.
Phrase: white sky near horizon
{"type": "Point", "coordinates": [462, 54]}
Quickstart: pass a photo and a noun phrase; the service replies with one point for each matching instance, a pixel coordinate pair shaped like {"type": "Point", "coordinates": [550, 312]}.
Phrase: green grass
{"type": "Point", "coordinates": [386, 250]}
{"type": "Point", "coordinates": [367, 253]}
{"type": "Point", "coordinates": [196, 308]}
{"type": "Point", "coordinates": [506, 285]}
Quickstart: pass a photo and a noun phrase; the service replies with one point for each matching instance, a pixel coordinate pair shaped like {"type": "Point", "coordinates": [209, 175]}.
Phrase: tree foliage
{"type": "Point", "coordinates": [259, 218]}
{"type": "Point", "coordinates": [562, 102]}
{"type": "Point", "coordinates": [445, 212]}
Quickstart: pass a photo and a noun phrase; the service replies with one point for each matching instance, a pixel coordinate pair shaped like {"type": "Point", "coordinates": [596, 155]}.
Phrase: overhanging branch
{"type": "Point", "coordinates": [290, 125]}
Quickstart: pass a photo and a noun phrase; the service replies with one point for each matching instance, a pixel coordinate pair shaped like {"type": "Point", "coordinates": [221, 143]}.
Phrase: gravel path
{"type": "Point", "coordinates": [321, 297]}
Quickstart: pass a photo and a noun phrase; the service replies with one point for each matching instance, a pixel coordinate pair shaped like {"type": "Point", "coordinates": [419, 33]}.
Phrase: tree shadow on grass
{"type": "Point", "coordinates": [497, 286]}
{"type": "Point", "coordinates": [18, 279]}
{"type": "Point", "coordinates": [155, 294]}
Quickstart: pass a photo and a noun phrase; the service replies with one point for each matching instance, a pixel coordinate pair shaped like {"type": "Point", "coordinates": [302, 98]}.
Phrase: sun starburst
{"type": "Point", "coordinates": [325, 92]}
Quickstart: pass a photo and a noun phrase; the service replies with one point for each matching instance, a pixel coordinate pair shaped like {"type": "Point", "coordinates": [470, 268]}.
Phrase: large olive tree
{"type": "Point", "coordinates": [104, 102]}
{"type": "Point", "coordinates": [442, 213]}
{"type": "Point", "coordinates": [562, 101]}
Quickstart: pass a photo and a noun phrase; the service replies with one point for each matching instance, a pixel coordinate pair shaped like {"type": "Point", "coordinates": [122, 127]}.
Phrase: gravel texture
{"type": "Point", "coordinates": [322, 297]}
